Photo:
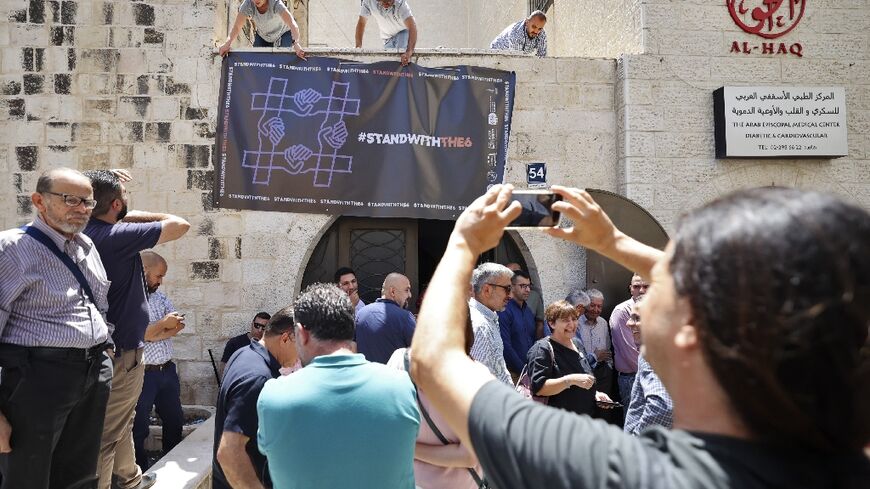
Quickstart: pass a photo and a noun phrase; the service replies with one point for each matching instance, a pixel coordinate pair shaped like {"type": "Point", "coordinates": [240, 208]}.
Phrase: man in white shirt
{"type": "Point", "coordinates": [395, 22]}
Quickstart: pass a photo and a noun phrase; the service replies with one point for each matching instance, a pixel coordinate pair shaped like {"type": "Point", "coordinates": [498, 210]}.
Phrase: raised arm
{"type": "Point", "coordinates": [439, 364]}
{"type": "Point", "coordinates": [593, 229]}
{"type": "Point", "coordinates": [173, 227]}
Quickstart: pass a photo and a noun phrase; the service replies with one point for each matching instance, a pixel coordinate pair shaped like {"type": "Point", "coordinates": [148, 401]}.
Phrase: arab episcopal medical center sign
{"type": "Point", "coordinates": [776, 122]}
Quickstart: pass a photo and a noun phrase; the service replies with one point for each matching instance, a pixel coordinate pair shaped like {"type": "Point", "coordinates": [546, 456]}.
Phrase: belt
{"type": "Point", "coordinates": [158, 368]}
{"type": "Point", "coordinates": [65, 353]}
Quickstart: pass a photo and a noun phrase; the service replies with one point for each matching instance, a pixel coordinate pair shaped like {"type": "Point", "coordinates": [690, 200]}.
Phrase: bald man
{"type": "Point", "coordinates": [385, 325]}
{"type": "Point", "coordinates": [53, 340]}
{"type": "Point", "coordinates": [160, 387]}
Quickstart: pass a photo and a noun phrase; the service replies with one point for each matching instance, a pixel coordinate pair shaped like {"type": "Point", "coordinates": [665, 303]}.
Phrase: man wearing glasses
{"type": "Point", "coordinates": [517, 324]}
{"type": "Point", "coordinates": [490, 289]}
{"type": "Point", "coordinates": [53, 339]}
{"type": "Point", "coordinates": [258, 327]}
{"type": "Point", "coordinates": [626, 349]}
{"type": "Point", "coordinates": [120, 235]}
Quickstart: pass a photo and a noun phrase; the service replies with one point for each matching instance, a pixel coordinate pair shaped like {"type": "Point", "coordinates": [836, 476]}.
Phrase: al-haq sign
{"type": "Point", "coordinates": [768, 19]}
{"type": "Point", "coordinates": [340, 137]}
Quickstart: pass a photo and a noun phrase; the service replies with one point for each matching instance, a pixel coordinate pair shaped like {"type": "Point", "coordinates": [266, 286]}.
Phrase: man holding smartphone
{"type": "Point", "coordinates": [161, 387]}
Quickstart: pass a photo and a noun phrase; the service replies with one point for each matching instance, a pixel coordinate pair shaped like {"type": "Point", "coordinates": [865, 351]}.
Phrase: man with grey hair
{"type": "Point", "coordinates": [595, 336]}
{"type": "Point", "coordinates": [525, 36]}
{"type": "Point", "coordinates": [490, 289]}
{"type": "Point", "coordinates": [384, 326]}
{"type": "Point", "coordinates": [53, 339]}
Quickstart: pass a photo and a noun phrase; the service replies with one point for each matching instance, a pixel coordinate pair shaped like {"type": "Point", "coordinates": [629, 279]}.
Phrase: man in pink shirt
{"type": "Point", "coordinates": [624, 346]}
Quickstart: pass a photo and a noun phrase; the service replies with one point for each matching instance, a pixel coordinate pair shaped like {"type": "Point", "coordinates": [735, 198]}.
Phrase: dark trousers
{"type": "Point", "coordinates": [286, 41]}
{"type": "Point", "coordinates": [55, 401]}
{"type": "Point", "coordinates": [162, 390]}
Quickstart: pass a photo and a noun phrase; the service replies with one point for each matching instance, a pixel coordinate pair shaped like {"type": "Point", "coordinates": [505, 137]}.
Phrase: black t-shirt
{"type": "Point", "coordinates": [523, 444]}
{"type": "Point", "coordinates": [568, 361]}
{"type": "Point", "coordinates": [236, 411]}
{"type": "Point", "coordinates": [234, 344]}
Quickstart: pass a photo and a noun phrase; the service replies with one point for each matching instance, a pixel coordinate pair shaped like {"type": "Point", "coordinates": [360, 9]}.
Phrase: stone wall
{"type": "Point", "coordinates": [135, 85]}
{"type": "Point", "coordinates": [591, 28]}
{"type": "Point", "coordinates": [664, 99]}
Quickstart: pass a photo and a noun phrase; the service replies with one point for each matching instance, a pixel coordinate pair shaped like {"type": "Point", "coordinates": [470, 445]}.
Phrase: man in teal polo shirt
{"type": "Point", "coordinates": [341, 421]}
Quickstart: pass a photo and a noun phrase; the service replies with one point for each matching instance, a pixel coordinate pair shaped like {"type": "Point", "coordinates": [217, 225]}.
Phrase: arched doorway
{"type": "Point", "coordinates": [375, 247]}
{"type": "Point", "coordinates": [633, 220]}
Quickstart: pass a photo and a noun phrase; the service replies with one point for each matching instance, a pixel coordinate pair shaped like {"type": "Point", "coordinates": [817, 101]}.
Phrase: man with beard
{"type": "Point", "coordinates": [119, 236]}
{"type": "Point", "coordinates": [346, 279]}
{"type": "Point", "coordinates": [53, 340]}
{"type": "Point", "coordinates": [161, 387]}
{"type": "Point", "coordinates": [385, 325]}
{"type": "Point", "coordinates": [525, 36]}
{"type": "Point", "coordinates": [517, 324]}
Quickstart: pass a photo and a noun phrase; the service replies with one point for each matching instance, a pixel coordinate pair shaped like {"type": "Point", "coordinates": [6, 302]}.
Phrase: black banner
{"type": "Point", "coordinates": [332, 136]}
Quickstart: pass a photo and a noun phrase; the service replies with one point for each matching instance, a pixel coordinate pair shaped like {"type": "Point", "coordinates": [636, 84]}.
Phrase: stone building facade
{"type": "Point", "coordinates": [101, 84]}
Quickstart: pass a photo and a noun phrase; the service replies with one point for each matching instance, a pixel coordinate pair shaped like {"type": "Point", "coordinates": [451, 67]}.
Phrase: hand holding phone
{"type": "Point", "coordinates": [537, 209]}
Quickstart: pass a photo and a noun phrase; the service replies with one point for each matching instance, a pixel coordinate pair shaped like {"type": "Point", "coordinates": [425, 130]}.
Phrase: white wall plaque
{"type": "Point", "coordinates": [780, 122]}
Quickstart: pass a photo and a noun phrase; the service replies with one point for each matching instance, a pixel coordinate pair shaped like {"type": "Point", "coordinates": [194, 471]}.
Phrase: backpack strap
{"type": "Point", "coordinates": [63, 257]}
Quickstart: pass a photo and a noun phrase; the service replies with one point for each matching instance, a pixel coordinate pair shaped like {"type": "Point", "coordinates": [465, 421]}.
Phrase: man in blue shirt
{"type": "Point", "coordinates": [119, 236]}
{"type": "Point", "coordinates": [385, 326]}
{"type": "Point", "coordinates": [341, 421]}
{"type": "Point", "coordinates": [517, 324]}
{"type": "Point", "coordinates": [236, 461]}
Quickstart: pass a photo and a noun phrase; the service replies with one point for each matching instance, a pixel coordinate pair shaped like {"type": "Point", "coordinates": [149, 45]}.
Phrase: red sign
{"type": "Point", "coordinates": [766, 18]}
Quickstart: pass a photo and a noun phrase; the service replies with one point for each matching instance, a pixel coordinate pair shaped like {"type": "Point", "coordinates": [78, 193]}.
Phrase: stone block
{"type": "Point", "coordinates": [182, 131]}
{"type": "Point", "coordinates": [93, 157]}
{"type": "Point", "coordinates": [24, 133]}
{"type": "Point", "coordinates": [639, 144]}
{"type": "Point", "coordinates": [91, 36]}
{"type": "Point", "coordinates": [98, 109]}
{"type": "Point", "coordinates": [644, 118]}
{"type": "Point", "coordinates": [576, 70]}
{"type": "Point", "coordinates": [132, 60]}
{"type": "Point", "coordinates": [43, 107]}
{"type": "Point", "coordinates": [29, 34]}
{"type": "Point", "coordinates": [166, 179]}
{"type": "Point", "coordinates": [683, 144]}
{"type": "Point", "coordinates": [682, 42]}
{"type": "Point", "coordinates": [150, 156]}
{"type": "Point", "coordinates": [191, 247]}
{"type": "Point", "coordinates": [121, 156]}
{"type": "Point", "coordinates": [10, 85]}
{"type": "Point", "coordinates": [760, 71]}
{"type": "Point", "coordinates": [98, 60]}
{"type": "Point", "coordinates": [86, 132]}
{"type": "Point", "coordinates": [57, 156]}
{"type": "Point", "coordinates": [164, 108]}
{"type": "Point", "coordinates": [228, 225]}
{"type": "Point", "coordinates": [186, 347]}
{"type": "Point", "coordinates": [69, 108]}
{"type": "Point", "coordinates": [58, 133]}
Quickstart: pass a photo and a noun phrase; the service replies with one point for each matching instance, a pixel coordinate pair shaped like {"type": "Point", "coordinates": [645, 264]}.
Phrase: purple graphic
{"type": "Point", "coordinates": [277, 153]}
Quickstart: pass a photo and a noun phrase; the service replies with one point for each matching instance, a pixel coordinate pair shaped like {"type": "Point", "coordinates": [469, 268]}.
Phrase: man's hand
{"type": "Point", "coordinates": [602, 397]}
{"type": "Point", "coordinates": [123, 175]}
{"type": "Point", "coordinates": [592, 228]}
{"type": "Point", "coordinates": [603, 355]}
{"type": "Point", "coordinates": [406, 57]}
{"type": "Point", "coordinates": [299, 51]}
{"type": "Point", "coordinates": [481, 225]}
{"type": "Point", "coordinates": [173, 322]}
{"type": "Point", "coordinates": [5, 434]}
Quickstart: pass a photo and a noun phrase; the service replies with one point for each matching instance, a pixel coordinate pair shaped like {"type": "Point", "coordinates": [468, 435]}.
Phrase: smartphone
{"type": "Point", "coordinates": [606, 404]}
{"type": "Point", "coordinates": [537, 209]}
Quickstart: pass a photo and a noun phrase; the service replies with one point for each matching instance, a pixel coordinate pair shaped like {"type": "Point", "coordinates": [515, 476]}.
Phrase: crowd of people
{"type": "Point", "coordinates": [274, 25]}
{"type": "Point", "coordinates": [711, 356]}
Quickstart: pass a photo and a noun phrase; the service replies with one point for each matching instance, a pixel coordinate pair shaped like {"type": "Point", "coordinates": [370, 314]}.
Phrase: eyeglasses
{"type": "Point", "coordinates": [507, 288]}
{"type": "Point", "coordinates": [258, 326]}
{"type": "Point", "coordinates": [524, 286]}
{"type": "Point", "coordinates": [643, 286]}
{"type": "Point", "coordinates": [74, 201]}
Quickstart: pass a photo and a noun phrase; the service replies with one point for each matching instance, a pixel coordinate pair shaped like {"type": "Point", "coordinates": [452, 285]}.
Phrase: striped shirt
{"type": "Point", "coordinates": [488, 347]}
{"type": "Point", "coordinates": [158, 352]}
{"type": "Point", "coordinates": [41, 302]}
{"type": "Point", "coordinates": [515, 38]}
{"type": "Point", "coordinates": [650, 403]}
{"type": "Point", "coordinates": [594, 337]}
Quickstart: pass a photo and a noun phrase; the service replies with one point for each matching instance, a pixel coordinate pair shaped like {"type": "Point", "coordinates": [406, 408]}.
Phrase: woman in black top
{"type": "Point", "coordinates": [568, 380]}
